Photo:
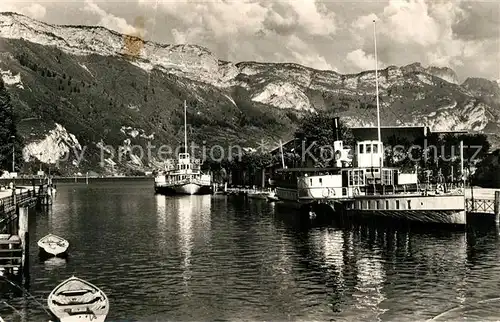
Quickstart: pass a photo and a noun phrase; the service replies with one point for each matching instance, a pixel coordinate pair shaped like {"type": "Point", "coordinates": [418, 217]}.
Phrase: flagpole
{"type": "Point", "coordinates": [376, 78]}
{"type": "Point", "coordinates": [185, 127]}
{"type": "Point", "coordinates": [378, 103]}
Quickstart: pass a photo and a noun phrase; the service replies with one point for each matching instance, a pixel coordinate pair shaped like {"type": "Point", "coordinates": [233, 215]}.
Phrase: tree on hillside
{"type": "Point", "coordinates": [438, 153]}
{"type": "Point", "coordinates": [320, 130]}
{"type": "Point", "coordinates": [487, 174]}
{"type": "Point", "coordinates": [320, 127]}
{"type": "Point", "coordinates": [8, 132]}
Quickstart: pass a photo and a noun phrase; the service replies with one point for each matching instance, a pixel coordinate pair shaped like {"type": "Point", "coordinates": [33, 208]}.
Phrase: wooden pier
{"type": "Point", "coordinates": [482, 201]}
{"type": "Point", "coordinates": [239, 191]}
{"type": "Point", "coordinates": [14, 234]}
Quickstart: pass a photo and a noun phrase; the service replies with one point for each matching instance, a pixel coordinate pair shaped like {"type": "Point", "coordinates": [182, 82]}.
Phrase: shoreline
{"type": "Point", "coordinates": [73, 179]}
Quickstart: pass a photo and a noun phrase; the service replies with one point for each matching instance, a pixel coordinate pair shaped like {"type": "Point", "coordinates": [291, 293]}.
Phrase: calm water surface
{"type": "Point", "coordinates": [226, 258]}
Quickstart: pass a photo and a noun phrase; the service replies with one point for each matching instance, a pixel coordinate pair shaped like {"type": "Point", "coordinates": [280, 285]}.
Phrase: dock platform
{"type": "Point", "coordinates": [14, 235]}
{"type": "Point", "coordinates": [10, 253]}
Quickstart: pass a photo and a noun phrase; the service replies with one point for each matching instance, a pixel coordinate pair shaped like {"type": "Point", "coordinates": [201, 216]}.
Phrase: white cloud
{"type": "Point", "coordinates": [33, 10]}
{"type": "Point", "coordinates": [316, 33]}
{"type": "Point", "coordinates": [302, 52]}
{"type": "Point", "coordinates": [249, 29]}
{"type": "Point", "coordinates": [409, 22]}
{"type": "Point", "coordinates": [361, 60]}
{"type": "Point", "coordinates": [111, 21]}
{"type": "Point", "coordinates": [314, 17]}
{"type": "Point", "coordinates": [364, 22]}
{"type": "Point", "coordinates": [417, 30]}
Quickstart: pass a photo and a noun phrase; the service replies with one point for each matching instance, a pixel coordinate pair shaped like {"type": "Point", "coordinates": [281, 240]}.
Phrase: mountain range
{"type": "Point", "coordinates": [80, 88]}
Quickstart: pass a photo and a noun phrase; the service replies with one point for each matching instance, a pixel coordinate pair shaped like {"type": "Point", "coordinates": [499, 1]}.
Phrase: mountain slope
{"type": "Point", "coordinates": [110, 89]}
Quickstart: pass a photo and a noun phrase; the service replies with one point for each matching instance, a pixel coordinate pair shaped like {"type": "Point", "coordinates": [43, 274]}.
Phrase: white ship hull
{"type": "Point", "coordinates": [187, 189]}
{"type": "Point", "coordinates": [183, 188]}
{"type": "Point", "coordinates": [445, 209]}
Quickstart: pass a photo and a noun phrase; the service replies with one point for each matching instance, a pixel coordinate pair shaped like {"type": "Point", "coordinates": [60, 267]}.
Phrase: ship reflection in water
{"type": "Point", "coordinates": [193, 258]}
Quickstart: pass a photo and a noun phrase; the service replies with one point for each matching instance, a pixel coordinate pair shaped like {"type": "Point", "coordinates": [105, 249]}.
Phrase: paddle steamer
{"type": "Point", "coordinates": [183, 175]}
{"type": "Point", "coordinates": [367, 187]}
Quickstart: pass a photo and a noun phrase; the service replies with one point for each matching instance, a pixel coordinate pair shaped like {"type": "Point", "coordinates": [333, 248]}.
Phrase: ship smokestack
{"type": "Point", "coordinates": [336, 125]}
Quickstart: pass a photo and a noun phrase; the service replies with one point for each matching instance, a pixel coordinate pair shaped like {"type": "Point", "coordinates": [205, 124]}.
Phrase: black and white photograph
{"type": "Point", "coordinates": [249, 160]}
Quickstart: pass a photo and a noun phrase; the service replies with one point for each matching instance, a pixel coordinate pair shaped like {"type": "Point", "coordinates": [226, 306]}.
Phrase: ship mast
{"type": "Point", "coordinates": [185, 128]}
{"type": "Point", "coordinates": [376, 90]}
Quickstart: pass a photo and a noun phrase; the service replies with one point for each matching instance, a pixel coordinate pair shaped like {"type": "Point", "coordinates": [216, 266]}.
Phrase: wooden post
{"type": "Point", "coordinates": [497, 206]}
{"type": "Point", "coordinates": [263, 177]}
{"type": "Point", "coordinates": [14, 195]}
{"type": "Point", "coordinates": [23, 233]}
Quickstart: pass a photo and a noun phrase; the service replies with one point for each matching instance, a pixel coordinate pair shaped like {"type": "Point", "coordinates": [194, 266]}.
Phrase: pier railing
{"type": "Point", "coordinates": [484, 206]}
{"type": "Point", "coordinates": [14, 237]}
{"type": "Point", "coordinates": [8, 204]}
{"type": "Point", "coordinates": [482, 200]}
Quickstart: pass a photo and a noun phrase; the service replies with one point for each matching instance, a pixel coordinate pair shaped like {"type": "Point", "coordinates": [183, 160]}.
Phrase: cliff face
{"type": "Point", "coordinates": [103, 88]}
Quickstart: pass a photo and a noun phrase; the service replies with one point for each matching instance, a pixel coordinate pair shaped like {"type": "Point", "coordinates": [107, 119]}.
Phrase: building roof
{"type": "Point", "coordinates": [370, 133]}
{"type": "Point", "coordinates": [450, 132]}
{"type": "Point", "coordinates": [410, 132]}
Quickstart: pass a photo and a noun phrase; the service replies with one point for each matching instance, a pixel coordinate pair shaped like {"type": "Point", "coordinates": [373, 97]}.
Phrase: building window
{"type": "Point", "coordinates": [361, 148]}
{"type": "Point", "coordinates": [320, 181]}
{"type": "Point", "coordinates": [409, 204]}
{"type": "Point", "coordinates": [397, 204]}
{"type": "Point", "coordinates": [387, 177]}
{"type": "Point", "coordinates": [387, 204]}
{"type": "Point", "coordinates": [368, 148]}
{"type": "Point", "coordinates": [378, 204]}
{"type": "Point", "coordinates": [375, 148]}
{"type": "Point", "coordinates": [356, 178]}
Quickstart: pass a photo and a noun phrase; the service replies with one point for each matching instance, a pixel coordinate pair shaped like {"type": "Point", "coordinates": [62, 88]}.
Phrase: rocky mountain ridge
{"type": "Point", "coordinates": [111, 89]}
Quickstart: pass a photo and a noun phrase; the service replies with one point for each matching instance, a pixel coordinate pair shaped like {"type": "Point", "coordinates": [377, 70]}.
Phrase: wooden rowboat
{"type": "Point", "coordinates": [53, 245]}
{"type": "Point", "coordinates": [78, 300]}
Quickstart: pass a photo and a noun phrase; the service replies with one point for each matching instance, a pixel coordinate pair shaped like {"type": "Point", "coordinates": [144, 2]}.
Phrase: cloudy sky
{"type": "Point", "coordinates": [328, 34]}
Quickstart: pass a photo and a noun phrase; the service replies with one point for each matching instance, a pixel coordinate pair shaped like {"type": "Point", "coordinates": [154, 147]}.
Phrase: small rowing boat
{"type": "Point", "coordinates": [78, 300]}
{"type": "Point", "coordinates": [53, 245]}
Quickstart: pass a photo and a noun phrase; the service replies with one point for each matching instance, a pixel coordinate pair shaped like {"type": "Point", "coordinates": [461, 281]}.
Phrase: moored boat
{"type": "Point", "coordinates": [370, 188]}
{"type": "Point", "coordinates": [53, 245]}
{"type": "Point", "coordinates": [77, 300]}
{"type": "Point", "coordinates": [256, 194]}
{"type": "Point", "coordinates": [183, 175]}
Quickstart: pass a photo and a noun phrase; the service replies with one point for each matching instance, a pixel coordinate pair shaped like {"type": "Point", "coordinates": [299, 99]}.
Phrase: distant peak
{"type": "Point", "coordinates": [413, 65]}
{"type": "Point", "coordinates": [482, 84]}
{"type": "Point", "coordinates": [444, 73]}
{"type": "Point", "coordinates": [10, 13]}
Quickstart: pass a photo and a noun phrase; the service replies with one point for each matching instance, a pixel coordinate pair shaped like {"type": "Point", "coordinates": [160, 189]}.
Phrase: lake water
{"type": "Point", "coordinates": [195, 258]}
